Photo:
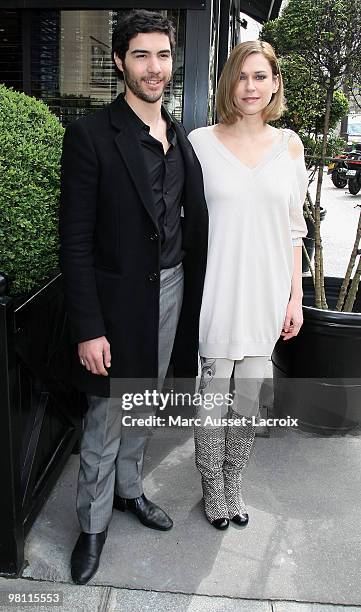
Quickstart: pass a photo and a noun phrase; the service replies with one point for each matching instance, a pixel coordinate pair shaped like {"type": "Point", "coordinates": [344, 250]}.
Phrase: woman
{"type": "Point", "coordinates": [255, 183]}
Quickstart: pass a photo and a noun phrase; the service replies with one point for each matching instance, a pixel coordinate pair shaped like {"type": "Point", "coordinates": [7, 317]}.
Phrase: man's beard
{"type": "Point", "coordinates": [135, 88]}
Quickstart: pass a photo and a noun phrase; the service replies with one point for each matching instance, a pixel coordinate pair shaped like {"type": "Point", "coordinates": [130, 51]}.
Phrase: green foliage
{"type": "Point", "coordinates": [313, 148]}
{"type": "Point", "coordinates": [306, 99]}
{"type": "Point", "coordinates": [326, 33]}
{"type": "Point", "coordinates": [339, 109]}
{"type": "Point", "coordinates": [30, 149]}
{"type": "Point", "coordinates": [319, 45]}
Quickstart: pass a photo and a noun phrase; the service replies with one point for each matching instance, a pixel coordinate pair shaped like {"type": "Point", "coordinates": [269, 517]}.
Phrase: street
{"type": "Point", "coordinates": [338, 229]}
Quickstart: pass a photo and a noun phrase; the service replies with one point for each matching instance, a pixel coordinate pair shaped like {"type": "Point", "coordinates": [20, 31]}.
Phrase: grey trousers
{"type": "Point", "coordinates": [111, 456]}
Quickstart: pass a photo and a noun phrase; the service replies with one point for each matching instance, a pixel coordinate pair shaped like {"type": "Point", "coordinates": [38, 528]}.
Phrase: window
{"type": "Point", "coordinates": [99, 63]}
{"type": "Point", "coordinates": [67, 61]}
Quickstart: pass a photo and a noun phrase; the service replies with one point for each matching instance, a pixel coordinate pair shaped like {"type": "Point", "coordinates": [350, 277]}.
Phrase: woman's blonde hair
{"type": "Point", "coordinates": [226, 108]}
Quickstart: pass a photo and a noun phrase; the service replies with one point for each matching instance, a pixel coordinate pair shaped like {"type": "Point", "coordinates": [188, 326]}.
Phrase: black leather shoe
{"type": "Point", "coordinates": [221, 523]}
{"type": "Point", "coordinates": [148, 513]}
{"type": "Point", "coordinates": [85, 556]}
{"type": "Point", "coordinates": [241, 519]}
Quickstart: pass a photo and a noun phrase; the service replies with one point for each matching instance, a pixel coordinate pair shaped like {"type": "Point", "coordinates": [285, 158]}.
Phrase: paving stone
{"type": "Point", "coordinates": [74, 598]}
{"type": "Point", "coordinates": [288, 606]}
{"type": "Point", "coordinates": [141, 601]}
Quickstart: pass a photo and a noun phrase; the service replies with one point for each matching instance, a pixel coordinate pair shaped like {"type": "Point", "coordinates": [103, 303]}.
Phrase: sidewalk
{"type": "Point", "coordinates": [302, 543]}
{"type": "Point", "coordinates": [301, 551]}
{"type": "Point", "coordinates": [108, 599]}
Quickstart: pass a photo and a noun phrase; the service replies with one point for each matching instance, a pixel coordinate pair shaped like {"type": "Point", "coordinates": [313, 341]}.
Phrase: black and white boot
{"type": "Point", "coordinates": [238, 445]}
{"type": "Point", "coordinates": [209, 455]}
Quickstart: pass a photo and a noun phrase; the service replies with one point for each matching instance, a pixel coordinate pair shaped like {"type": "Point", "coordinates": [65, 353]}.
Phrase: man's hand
{"type": "Point", "coordinates": [294, 319]}
{"type": "Point", "coordinates": [94, 355]}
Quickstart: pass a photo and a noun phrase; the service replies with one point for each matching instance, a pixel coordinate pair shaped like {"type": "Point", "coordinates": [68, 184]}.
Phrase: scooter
{"type": "Point", "coordinates": [353, 172]}
{"type": "Point", "coordinates": [337, 168]}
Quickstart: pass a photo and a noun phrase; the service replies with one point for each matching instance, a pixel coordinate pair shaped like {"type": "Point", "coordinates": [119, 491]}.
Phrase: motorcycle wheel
{"type": "Point", "coordinates": [339, 181]}
{"type": "Point", "coordinates": [354, 185]}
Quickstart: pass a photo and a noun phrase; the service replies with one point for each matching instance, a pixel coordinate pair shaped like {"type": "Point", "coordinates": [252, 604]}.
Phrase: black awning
{"type": "Point", "coordinates": [261, 10]}
{"type": "Point", "coordinates": [103, 4]}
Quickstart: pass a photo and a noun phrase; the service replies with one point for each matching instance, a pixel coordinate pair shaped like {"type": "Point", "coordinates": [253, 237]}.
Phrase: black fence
{"type": "Point", "coordinates": [41, 412]}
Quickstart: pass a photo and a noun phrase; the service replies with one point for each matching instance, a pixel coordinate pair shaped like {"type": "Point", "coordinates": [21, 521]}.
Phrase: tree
{"type": "Point", "coordinates": [305, 100]}
{"type": "Point", "coordinates": [324, 35]}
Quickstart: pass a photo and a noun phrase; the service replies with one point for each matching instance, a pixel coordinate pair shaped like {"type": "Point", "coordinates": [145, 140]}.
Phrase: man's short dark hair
{"type": "Point", "coordinates": [139, 22]}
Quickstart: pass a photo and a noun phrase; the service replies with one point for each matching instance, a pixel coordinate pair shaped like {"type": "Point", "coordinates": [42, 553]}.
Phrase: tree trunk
{"type": "Point", "coordinates": [351, 263]}
{"type": "Point", "coordinates": [344, 120]}
{"type": "Point", "coordinates": [351, 296]}
{"type": "Point", "coordinates": [320, 301]}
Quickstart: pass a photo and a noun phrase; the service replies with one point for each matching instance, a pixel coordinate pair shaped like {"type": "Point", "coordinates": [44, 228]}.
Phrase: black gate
{"type": "Point", "coordinates": [41, 412]}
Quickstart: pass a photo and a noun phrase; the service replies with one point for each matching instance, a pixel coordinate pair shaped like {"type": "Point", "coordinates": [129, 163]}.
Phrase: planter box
{"type": "Point", "coordinates": [41, 412]}
{"type": "Point", "coordinates": [317, 375]}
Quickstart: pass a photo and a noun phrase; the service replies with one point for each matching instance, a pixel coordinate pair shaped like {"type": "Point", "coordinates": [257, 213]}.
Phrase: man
{"type": "Point", "coordinates": [133, 270]}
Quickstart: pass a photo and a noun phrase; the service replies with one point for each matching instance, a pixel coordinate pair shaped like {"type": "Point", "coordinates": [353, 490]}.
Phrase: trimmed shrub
{"type": "Point", "coordinates": [30, 149]}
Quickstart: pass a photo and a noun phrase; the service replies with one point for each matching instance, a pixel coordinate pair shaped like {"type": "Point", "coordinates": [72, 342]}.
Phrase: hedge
{"type": "Point", "coordinates": [30, 149]}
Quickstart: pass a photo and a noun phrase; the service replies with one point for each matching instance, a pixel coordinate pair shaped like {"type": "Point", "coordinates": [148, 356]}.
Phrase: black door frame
{"type": "Point", "coordinates": [196, 68]}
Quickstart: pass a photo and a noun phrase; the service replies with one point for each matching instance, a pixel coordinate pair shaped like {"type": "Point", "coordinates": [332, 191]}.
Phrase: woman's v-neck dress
{"type": "Point", "coordinates": [255, 219]}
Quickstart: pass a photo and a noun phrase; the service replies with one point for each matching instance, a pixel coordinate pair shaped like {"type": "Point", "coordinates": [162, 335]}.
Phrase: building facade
{"type": "Point", "coordinates": [60, 51]}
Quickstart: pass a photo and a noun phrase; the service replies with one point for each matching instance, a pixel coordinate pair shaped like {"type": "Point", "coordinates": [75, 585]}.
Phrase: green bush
{"type": "Point", "coordinates": [313, 148]}
{"type": "Point", "coordinates": [30, 149]}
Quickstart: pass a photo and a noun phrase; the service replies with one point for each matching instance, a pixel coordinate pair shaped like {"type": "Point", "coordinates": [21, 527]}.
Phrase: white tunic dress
{"type": "Point", "coordinates": [255, 217]}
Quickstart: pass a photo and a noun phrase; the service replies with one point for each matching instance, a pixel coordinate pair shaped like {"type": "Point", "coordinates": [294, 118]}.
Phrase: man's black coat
{"type": "Point", "coordinates": [110, 250]}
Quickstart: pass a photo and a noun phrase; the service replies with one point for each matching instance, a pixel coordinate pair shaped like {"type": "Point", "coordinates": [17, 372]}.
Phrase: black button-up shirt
{"type": "Point", "coordinates": [166, 174]}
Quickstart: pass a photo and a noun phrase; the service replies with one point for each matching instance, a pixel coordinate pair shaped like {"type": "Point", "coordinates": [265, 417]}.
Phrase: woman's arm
{"type": "Point", "coordinates": [294, 314]}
